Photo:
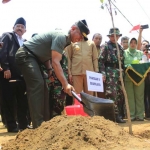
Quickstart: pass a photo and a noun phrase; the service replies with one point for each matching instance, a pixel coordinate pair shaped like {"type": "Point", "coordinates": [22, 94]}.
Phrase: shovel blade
{"type": "Point", "coordinates": [99, 106]}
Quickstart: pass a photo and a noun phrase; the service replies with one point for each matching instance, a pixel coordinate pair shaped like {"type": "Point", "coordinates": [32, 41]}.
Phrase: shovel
{"type": "Point", "coordinates": [95, 106]}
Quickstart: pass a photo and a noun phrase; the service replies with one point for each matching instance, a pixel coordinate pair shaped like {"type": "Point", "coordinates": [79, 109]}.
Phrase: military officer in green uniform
{"type": "Point", "coordinates": [39, 50]}
{"type": "Point", "coordinates": [109, 67]}
{"type": "Point", "coordinates": [135, 93]}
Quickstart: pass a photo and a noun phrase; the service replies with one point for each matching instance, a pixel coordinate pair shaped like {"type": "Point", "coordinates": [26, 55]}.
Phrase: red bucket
{"type": "Point", "coordinates": [76, 109]}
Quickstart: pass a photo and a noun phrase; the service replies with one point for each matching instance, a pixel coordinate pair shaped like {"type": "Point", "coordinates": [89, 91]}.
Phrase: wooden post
{"type": "Point", "coordinates": [121, 77]}
{"type": "Point", "coordinates": [95, 94]}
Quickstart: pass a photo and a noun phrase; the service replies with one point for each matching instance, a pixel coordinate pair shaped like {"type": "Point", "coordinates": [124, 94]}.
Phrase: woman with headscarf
{"type": "Point", "coordinates": [135, 93]}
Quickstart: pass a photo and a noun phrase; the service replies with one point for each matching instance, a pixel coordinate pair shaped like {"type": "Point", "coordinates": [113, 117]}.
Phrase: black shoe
{"type": "Point", "coordinates": [133, 119]}
{"type": "Point", "coordinates": [139, 119]}
{"type": "Point", "coordinates": [147, 116]}
{"type": "Point", "coordinates": [119, 120]}
{"type": "Point", "coordinates": [29, 127]}
{"type": "Point", "coordinates": [13, 130]}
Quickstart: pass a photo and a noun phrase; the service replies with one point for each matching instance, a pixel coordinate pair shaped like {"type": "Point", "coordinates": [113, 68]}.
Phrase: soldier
{"type": "Point", "coordinates": [39, 50]}
{"type": "Point", "coordinates": [109, 67]}
{"type": "Point", "coordinates": [58, 96]}
{"type": "Point", "coordinates": [135, 93]}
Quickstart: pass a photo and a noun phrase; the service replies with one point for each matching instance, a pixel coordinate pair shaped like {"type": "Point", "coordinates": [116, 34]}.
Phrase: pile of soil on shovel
{"type": "Point", "coordinates": [76, 133]}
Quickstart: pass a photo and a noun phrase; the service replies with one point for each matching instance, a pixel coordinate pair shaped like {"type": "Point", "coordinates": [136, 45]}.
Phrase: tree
{"type": "Point", "coordinates": [109, 7]}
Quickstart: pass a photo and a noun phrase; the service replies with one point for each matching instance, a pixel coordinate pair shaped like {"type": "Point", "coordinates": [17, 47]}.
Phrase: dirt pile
{"type": "Point", "coordinates": [144, 134]}
{"type": "Point", "coordinates": [76, 133]}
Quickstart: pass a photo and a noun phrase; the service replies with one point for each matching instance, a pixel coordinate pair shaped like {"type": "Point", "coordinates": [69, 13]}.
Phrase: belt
{"type": "Point", "coordinates": [26, 49]}
{"type": "Point", "coordinates": [45, 76]}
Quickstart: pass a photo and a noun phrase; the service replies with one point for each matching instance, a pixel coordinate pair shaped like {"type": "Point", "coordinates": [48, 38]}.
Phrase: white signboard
{"type": "Point", "coordinates": [94, 81]}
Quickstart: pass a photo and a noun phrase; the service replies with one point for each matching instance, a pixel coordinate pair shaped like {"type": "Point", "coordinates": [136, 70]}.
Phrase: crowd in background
{"type": "Point", "coordinates": [17, 112]}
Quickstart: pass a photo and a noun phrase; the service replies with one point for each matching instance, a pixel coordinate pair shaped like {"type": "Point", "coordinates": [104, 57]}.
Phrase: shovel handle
{"type": "Point", "coordinates": [76, 96]}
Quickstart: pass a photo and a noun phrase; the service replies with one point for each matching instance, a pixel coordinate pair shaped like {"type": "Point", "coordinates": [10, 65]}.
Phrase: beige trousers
{"type": "Point", "coordinates": [80, 84]}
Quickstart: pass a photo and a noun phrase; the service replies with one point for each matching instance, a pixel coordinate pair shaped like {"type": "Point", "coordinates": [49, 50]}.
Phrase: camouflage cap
{"type": "Point", "coordinates": [114, 31]}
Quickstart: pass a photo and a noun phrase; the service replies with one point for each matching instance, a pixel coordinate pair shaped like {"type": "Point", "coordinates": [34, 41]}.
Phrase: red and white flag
{"type": "Point", "coordinates": [5, 1]}
{"type": "Point", "coordinates": [137, 27]}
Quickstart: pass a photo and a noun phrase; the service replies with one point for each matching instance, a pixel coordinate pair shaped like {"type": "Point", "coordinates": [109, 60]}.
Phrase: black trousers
{"type": "Point", "coordinates": [37, 89]}
{"type": "Point", "coordinates": [1, 108]}
{"type": "Point", "coordinates": [14, 103]}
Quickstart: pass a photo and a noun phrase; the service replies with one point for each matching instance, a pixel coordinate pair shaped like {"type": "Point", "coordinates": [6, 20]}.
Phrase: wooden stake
{"type": "Point", "coordinates": [95, 94]}
{"type": "Point", "coordinates": [121, 77]}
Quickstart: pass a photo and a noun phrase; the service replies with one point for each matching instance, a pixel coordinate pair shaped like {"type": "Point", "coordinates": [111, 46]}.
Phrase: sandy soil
{"type": "Point", "coordinates": [4, 135]}
{"type": "Point", "coordinates": [141, 130]}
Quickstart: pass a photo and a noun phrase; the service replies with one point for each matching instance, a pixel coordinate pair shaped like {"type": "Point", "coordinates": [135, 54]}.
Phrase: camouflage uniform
{"type": "Point", "coordinates": [108, 66]}
{"type": "Point", "coordinates": [56, 93]}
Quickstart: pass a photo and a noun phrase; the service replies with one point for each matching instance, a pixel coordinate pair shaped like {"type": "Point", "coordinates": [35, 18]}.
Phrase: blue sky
{"type": "Point", "coordinates": [46, 15]}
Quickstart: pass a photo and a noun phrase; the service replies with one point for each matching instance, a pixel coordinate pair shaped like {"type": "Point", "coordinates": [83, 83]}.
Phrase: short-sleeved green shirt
{"type": "Point", "coordinates": [129, 57]}
{"type": "Point", "coordinates": [42, 44]}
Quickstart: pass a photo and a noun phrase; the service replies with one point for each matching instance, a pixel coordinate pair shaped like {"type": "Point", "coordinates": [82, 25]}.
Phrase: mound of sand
{"type": "Point", "coordinates": [76, 133]}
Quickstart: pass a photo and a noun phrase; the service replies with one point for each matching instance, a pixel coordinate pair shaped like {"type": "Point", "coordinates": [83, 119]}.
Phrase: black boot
{"type": "Point", "coordinates": [119, 119]}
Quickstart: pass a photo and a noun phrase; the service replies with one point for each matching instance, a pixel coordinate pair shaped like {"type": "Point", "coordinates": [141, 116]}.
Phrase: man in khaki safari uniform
{"type": "Point", "coordinates": [82, 56]}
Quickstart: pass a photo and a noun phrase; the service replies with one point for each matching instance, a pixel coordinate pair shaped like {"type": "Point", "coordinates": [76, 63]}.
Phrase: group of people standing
{"type": "Point", "coordinates": [81, 58]}
{"type": "Point", "coordinates": [22, 67]}
{"type": "Point", "coordinates": [131, 52]}
{"type": "Point", "coordinates": [59, 60]}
